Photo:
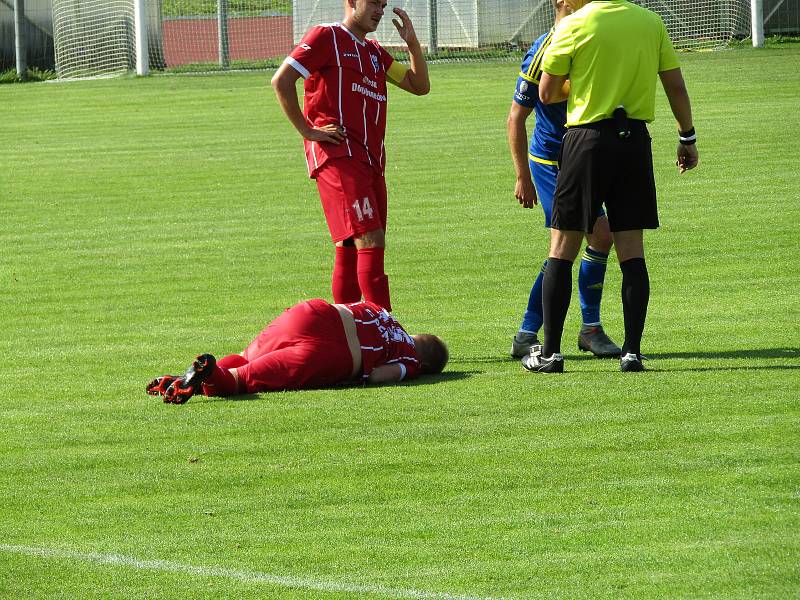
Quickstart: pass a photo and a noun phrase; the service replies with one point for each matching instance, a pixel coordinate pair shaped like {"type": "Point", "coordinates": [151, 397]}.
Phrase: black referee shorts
{"type": "Point", "coordinates": [597, 168]}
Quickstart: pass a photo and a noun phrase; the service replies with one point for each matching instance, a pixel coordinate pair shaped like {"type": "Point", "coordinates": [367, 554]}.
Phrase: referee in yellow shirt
{"type": "Point", "coordinates": [611, 52]}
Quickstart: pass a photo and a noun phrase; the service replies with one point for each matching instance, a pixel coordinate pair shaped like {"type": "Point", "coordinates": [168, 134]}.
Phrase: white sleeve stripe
{"type": "Point", "coordinates": [365, 130]}
{"type": "Point", "coordinates": [405, 358]}
{"type": "Point", "coordinates": [298, 67]}
{"type": "Point", "coordinates": [402, 371]}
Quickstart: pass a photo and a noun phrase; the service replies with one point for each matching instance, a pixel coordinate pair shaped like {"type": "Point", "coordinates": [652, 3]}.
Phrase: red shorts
{"type": "Point", "coordinates": [353, 197]}
{"type": "Point", "coordinates": [305, 347]}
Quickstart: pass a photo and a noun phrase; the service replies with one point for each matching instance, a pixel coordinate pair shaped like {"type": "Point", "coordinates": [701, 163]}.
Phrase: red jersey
{"type": "Point", "coordinates": [345, 85]}
{"type": "Point", "coordinates": [383, 340]}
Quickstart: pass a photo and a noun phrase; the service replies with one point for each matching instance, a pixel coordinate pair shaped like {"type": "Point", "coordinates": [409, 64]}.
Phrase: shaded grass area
{"type": "Point", "coordinates": [181, 221]}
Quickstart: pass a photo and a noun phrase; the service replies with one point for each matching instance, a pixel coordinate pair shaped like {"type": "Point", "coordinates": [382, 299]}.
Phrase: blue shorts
{"type": "Point", "coordinates": [544, 180]}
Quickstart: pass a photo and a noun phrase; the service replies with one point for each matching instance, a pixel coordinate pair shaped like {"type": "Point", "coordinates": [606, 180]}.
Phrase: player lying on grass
{"type": "Point", "coordinates": [313, 344]}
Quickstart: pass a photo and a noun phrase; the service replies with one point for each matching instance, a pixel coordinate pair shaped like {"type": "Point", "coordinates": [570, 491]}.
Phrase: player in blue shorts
{"type": "Point", "coordinates": [540, 161]}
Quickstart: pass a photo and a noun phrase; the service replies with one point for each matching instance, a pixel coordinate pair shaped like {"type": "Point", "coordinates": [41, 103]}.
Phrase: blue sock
{"type": "Point", "coordinates": [590, 284]}
{"type": "Point", "coordinates": [533, 317]}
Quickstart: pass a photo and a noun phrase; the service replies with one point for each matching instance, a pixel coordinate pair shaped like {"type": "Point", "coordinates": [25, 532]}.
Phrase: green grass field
{"type": "Point", "coordinates": [147, 220]}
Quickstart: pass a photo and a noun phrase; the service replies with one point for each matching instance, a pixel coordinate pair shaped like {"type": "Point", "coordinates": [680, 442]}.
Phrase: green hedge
{"type": "Point", "coordinates": [183, 8]}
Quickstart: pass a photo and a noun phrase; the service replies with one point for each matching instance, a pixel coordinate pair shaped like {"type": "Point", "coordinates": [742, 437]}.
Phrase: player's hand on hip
{"type": "Point", "coordinates": [525, 192]}
{"type": "Point", "coordinates": [404, 26]}
{"type": "Point", "coordinates": [688, 157]}
{"type": "Point", "coordinates": [331, 133]}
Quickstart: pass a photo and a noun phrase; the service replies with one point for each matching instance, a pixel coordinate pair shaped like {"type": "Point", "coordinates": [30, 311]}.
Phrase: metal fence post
{"type": "Point", "coordinates": [142, 43]}
{"type": "Point", "coordinates": [757, 22]}
{"type": "Point", "coordinates": [433, 28]}
{"type": "Point", "coordinates": [222, 27]}
{"type": "Point", "coordinates": [20, 41]}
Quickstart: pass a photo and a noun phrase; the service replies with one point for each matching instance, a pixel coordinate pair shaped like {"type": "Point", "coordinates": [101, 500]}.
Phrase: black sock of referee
{"type": "Point", "coordinates": [635, 295]}
{"type": "Point", "coordinates": [556, 293]}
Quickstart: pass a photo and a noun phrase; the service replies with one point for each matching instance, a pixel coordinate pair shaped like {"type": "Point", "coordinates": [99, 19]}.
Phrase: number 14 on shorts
{"type": "Point", "coordinates": [363, 209]}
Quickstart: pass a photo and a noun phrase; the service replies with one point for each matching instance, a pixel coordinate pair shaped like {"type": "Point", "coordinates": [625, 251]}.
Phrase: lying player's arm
{"type": "Point", "coordinates": [678, 96]}
{"type": "Point", "coordinates": [284, 82]}
{"type": "Point", "coordinates": [387, 374]}
{"type": "Point", "coordinates": [518, 143]}
{"type": "Point", "coordinates": [553, 88]}
{"type": "Point", "coordinates": [415, 79]}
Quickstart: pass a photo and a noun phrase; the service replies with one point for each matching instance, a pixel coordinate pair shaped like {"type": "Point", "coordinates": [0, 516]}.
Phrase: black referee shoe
{"type": "Point", "coordinates": [631, 363]}
{"type": "Point", "coordinates": [536, 363]}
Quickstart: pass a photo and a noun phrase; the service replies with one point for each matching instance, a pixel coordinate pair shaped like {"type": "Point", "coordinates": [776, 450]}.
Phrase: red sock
{"type": "Point", "coordinates": [222, 382]}
{"type": "Point", "coordinates": [345, 277]}
{"type": "Point", "coordinates": [373, 281]}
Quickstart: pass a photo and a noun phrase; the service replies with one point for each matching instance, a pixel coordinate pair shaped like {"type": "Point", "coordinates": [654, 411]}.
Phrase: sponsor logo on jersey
{"type": "Point", "coordinates": [305, 46]}
{"type": "Point", "coordinates": [357, 87]}
{"type": "Point", "coordinates": [350, 55]}
{"type": "Point", "coordinates": [370, 83]}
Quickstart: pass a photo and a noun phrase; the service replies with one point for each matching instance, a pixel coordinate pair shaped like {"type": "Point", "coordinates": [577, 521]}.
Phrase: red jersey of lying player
{"type": "Point", "coordinates": [311, 345]}
{"type": "Point", "coordinates": [345, 85]}
{"type": "Point", "coordinates": [383, 340]}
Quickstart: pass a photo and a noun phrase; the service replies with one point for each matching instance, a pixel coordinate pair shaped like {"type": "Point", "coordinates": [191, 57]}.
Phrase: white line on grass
{"type": "Point", "coordinates": [245, 576]}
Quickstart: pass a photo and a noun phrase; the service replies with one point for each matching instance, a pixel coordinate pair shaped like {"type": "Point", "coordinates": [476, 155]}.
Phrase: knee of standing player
{"type": "Point", "coordinates": [371, 239]}
{"type": "Point", "coordinates": [600, 239]}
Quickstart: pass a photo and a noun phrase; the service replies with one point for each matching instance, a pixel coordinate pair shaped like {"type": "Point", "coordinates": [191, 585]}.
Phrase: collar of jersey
{"type": "Point", "coordinates": [352, 35]}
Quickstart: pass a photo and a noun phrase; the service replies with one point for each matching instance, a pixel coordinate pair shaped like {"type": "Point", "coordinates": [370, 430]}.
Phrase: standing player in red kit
{"type": "Point", "coordinates": [343, 123]}
{"type": "Point", "coordinates": [313, 344]}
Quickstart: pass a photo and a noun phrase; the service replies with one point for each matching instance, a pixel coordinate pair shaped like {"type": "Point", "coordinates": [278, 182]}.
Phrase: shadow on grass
{"type": "Point", "coordinates": [471, 360]}
{"type": "Point", "coordinates": [422, 380]}
{"type": "Point", "coordinates": [440, 378]}
{"type": "Point", "coordinates": [724, 368]}
{"type": "Point", "coordinates": [744, 353]}
{"type": "Point", "coordinates": [749, 353]}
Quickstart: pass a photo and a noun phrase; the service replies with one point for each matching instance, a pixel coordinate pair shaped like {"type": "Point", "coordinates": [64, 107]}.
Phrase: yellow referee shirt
{"type": "Point", "coordinates": [612, 51]}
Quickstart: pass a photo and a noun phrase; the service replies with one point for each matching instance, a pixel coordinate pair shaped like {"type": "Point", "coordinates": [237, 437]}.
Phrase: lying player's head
{"type": "Point", "coordinates": [366, 14]}
{"type": "Point", "coordinates": [432, 352]}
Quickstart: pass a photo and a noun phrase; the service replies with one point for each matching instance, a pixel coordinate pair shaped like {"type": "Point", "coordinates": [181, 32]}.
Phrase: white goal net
{"type": "Point", "coordinates": [95, 37]}
{"type": "Point", "coordinates": [92, 37]}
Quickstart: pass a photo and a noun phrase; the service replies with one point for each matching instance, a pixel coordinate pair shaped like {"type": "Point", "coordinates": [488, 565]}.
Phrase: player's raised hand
{"type": "Point", "coordinates": [405, 27]}
{"type": "Point", "coordinates": [688, 157]}
{"type": "Point", "coordinates": [333, 134]}
{"type": "Point", "coordinates": [525, 192]}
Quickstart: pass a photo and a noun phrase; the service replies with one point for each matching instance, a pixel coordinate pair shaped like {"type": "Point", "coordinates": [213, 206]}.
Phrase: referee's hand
{"type": "Point", "coordinates": [525, 192]}
{"type": "Point", "coordinates": [688, 157]}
